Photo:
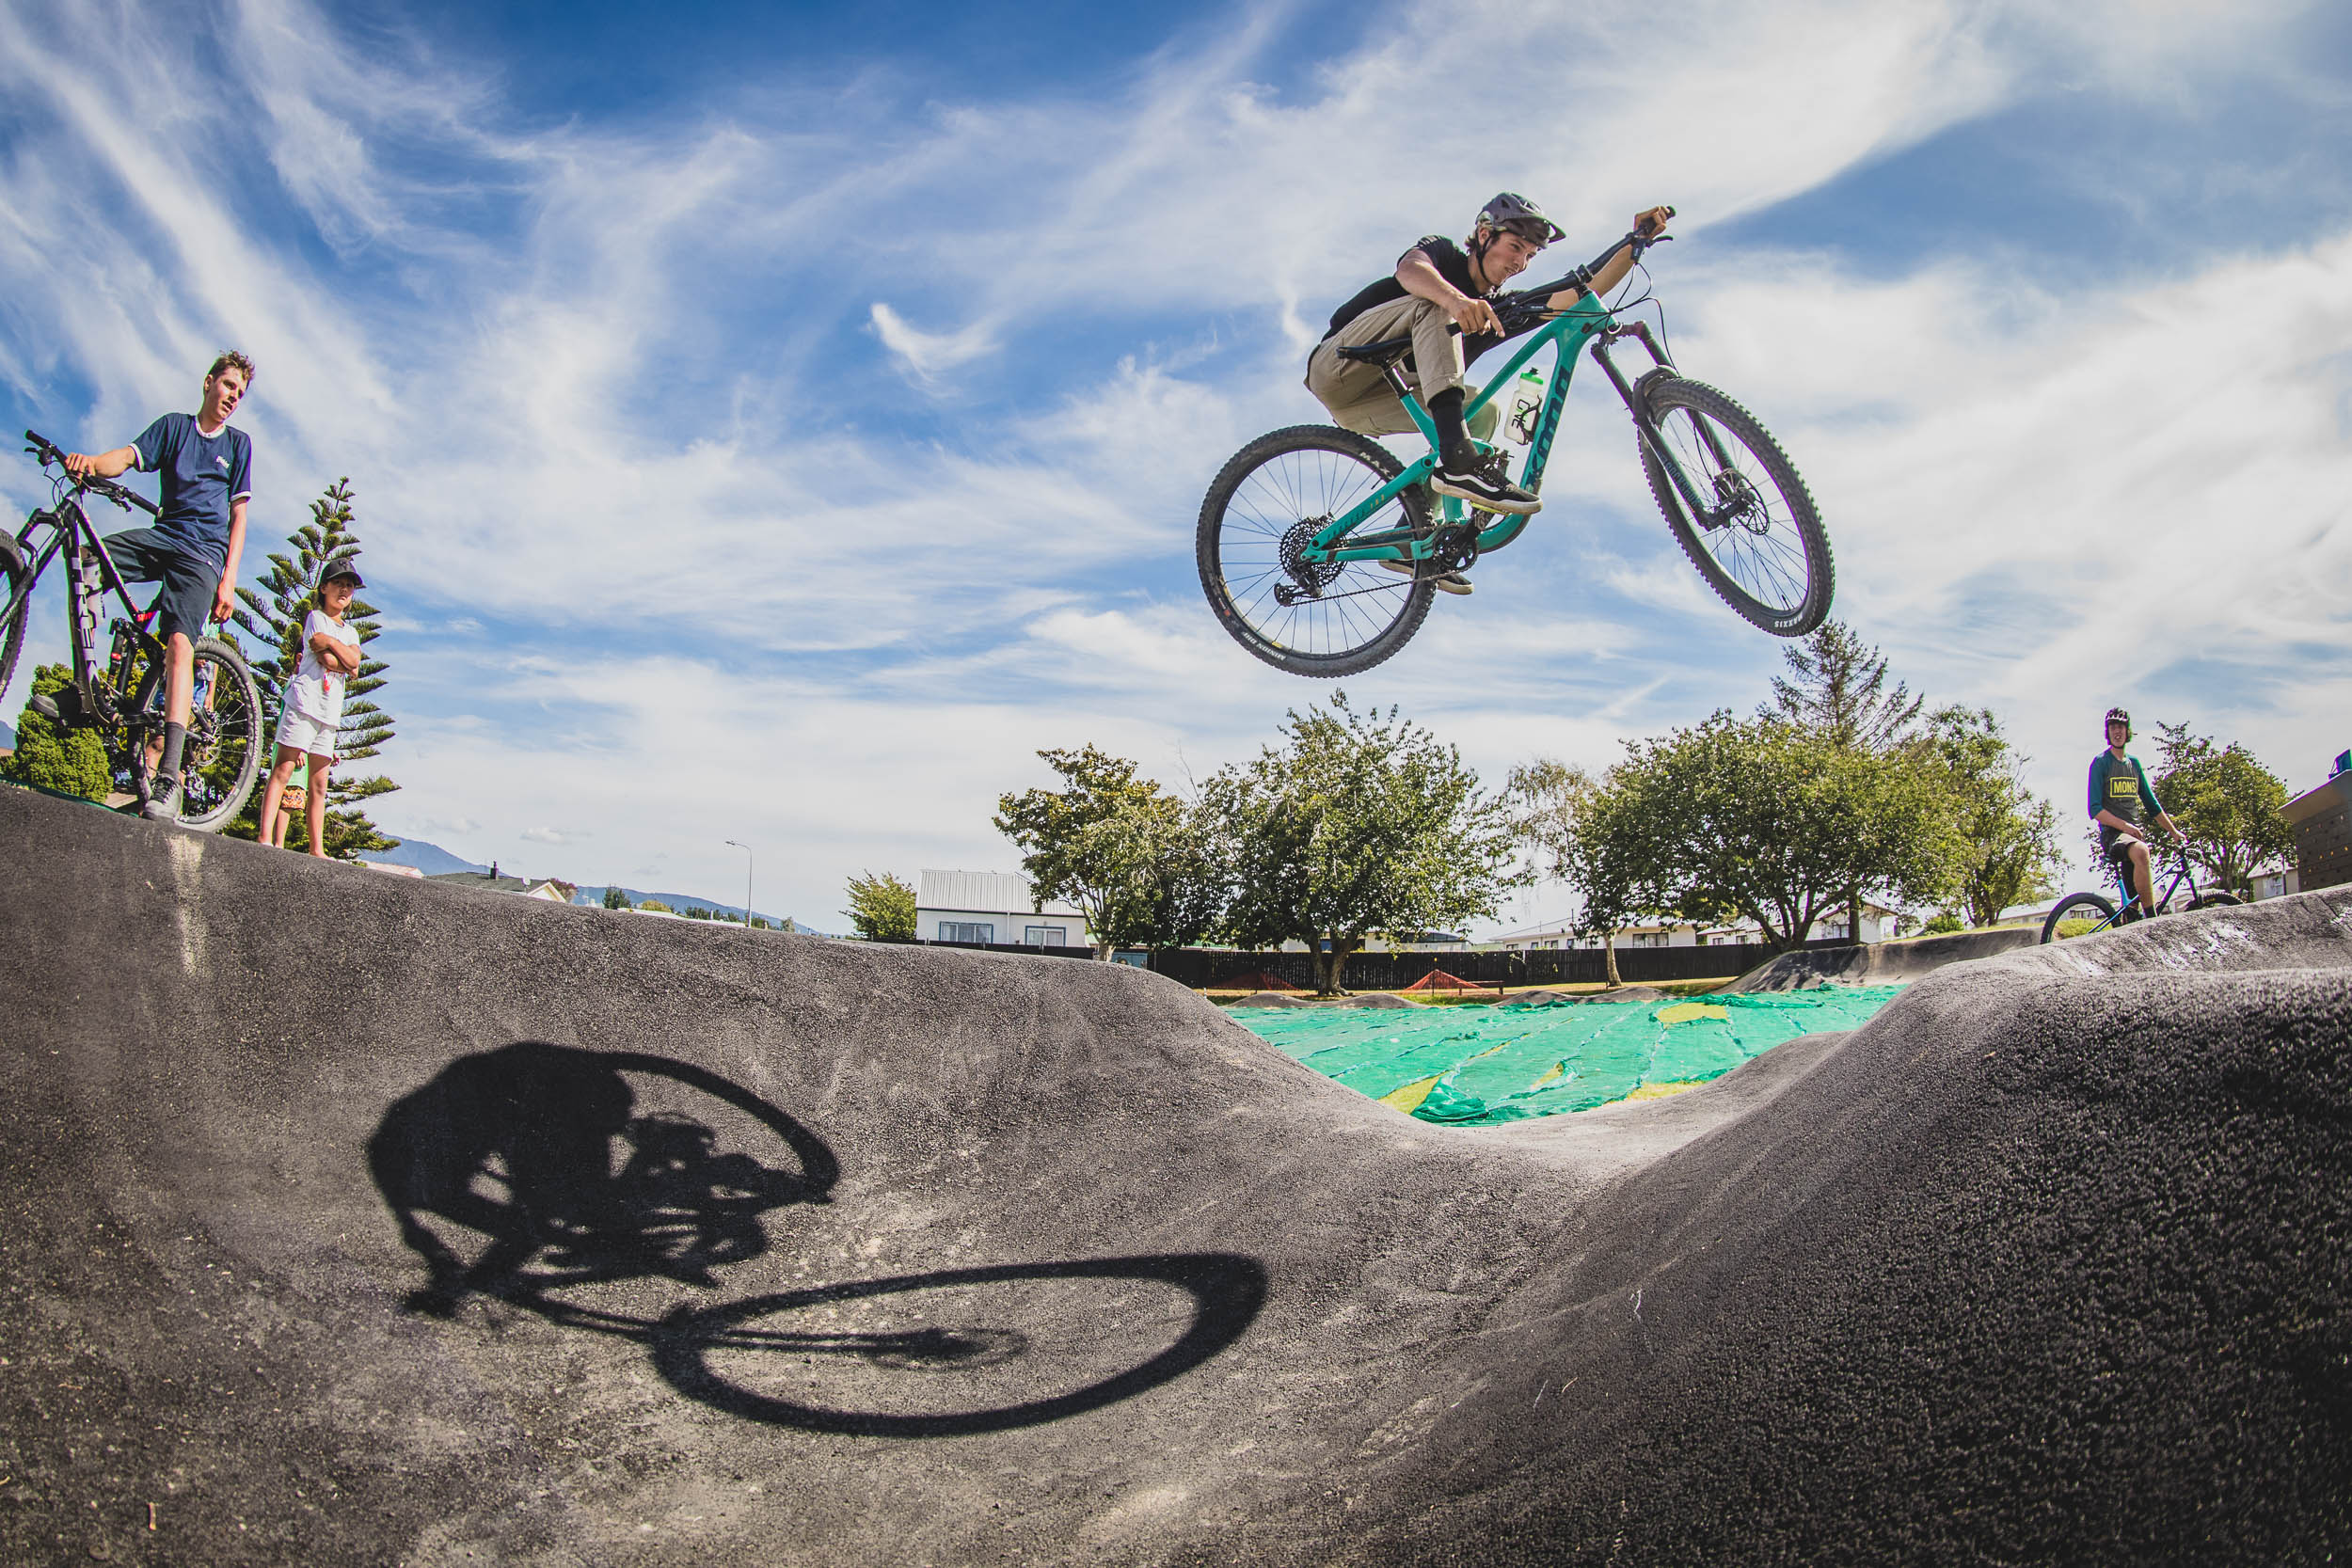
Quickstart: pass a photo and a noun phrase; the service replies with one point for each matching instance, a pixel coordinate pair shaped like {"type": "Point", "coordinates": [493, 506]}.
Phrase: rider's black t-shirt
{"type": "Point", "coordinates": [1453, 265]}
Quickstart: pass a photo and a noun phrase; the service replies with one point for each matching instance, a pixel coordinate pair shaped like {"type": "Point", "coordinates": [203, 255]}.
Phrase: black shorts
{"type": "Point", "coordinates": [190, 581]}
{"type": "Point", "coordinates": [2119, 853]}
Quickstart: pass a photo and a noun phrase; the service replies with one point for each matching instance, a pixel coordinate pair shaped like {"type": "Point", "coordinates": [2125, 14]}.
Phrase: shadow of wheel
{"type": "Point", "coordinates": [1227, 1292]}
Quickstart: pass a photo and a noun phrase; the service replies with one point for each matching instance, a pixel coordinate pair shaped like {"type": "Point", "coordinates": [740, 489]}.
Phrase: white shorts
{"type": "Point", "coordinates": [305, 734]}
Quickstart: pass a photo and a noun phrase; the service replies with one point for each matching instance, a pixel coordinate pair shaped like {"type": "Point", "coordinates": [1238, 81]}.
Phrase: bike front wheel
{"type": "Point", "coordinates": [1327, 619]}
{"type": "Point", "coordinates": [227, 738]}
{"type": "Point", "coordinates": [1756, 541]}
{"type": "Point", "coordinates": [2215, 901]}
{"type": "Point", "coordinates": [2078, 915]}
{"type": "Point", "coordinates": [13, 575]}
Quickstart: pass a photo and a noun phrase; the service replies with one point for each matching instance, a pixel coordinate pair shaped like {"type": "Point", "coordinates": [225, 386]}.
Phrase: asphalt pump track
{"type": "Point", "coordinates": [356, 1220]}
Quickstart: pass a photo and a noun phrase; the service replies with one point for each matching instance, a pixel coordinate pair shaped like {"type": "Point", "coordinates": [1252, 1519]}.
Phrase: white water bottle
{"type": "Point", "coordinates": [1526, 403]}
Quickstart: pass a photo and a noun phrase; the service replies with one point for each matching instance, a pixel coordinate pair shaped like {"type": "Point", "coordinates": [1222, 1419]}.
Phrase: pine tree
{"type": "Point", "coordinates": [1839, 692]}
{"type": "Point", "coordinates": [273, 617]}
{"type": "Point", "coordinates": [1836, 689]}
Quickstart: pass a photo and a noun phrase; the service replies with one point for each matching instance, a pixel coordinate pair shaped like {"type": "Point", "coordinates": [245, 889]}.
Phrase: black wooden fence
{"type": "Point", "coordinates": [1218, 968]}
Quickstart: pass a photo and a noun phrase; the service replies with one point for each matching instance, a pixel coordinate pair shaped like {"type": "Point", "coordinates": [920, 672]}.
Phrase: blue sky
{"type": "Point", "coordinates": [777, 422]}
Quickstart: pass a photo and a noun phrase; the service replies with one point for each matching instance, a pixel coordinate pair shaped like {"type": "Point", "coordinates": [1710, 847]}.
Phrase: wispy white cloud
{"type": "Point", "coordinates": [629, 412]}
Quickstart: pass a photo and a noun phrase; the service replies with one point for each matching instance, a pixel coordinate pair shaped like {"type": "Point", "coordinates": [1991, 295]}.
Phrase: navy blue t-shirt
{"type": "Point", "coordinates": [203, 475]}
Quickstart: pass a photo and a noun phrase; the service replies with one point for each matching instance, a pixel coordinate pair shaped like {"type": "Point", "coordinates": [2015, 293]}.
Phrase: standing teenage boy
{"type": "Point", "coordinates": [314, 701]}
{"type": "Point", "coordinates": [206, 467]}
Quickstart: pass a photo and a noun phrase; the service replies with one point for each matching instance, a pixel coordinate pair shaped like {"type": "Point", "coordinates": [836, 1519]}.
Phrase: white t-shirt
{"type": "Point", "coordinates": [317, 693]}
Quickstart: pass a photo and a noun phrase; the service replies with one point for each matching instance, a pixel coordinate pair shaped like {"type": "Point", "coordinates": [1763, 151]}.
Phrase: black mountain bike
{"type": "Point", "coordinates": [2084, 915]}
{"type": "Point", "coordinates": [122, 699]}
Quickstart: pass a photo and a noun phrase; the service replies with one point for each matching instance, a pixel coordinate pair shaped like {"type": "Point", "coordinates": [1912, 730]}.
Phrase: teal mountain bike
{"type": "Point", "coordinates": [1292, 531]}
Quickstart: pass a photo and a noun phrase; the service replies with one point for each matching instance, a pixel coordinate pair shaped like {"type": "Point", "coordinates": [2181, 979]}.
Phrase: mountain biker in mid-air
{"type": "Point", "coordinates": [1438, 285]}
{"type": "Point", "coordinates": [2123, 804]}
{"type": "Point", "coordinates": [206, 466]}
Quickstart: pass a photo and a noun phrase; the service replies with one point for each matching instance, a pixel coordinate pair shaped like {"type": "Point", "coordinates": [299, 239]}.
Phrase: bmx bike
{"type": "Point", "coordinates": [1295, 525]}
{"type": "Point", "coordinates": [2085, 914]}
{"type": "Point", "coordinates": [123, 699]}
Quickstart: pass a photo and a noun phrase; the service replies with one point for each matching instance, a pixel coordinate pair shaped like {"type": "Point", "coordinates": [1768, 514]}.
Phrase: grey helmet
{"type": "Point", "coordinates": [1521, 216]}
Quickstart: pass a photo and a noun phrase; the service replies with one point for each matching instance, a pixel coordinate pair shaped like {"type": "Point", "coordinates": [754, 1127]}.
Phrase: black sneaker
{"type": "Point", "coordinates": [162, 799]}
{"type": "Point", "coordinates": [1482, 488]}
{"type": "Point", "coordinates": [62, 707]}
{"type": "Point", "coordinates": [1453, 582]}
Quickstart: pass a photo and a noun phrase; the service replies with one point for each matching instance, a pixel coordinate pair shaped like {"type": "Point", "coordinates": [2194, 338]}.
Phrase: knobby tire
{"type": "Point", "coordinates": [1778, 572]}
{"type": "Point", "coordinates": [2074, 906]}
{"type": "Point", "coordinates": [12, 573]}
{"type": "Point", "coordinates": [1268, 489]}
{"type": "Point", "coordinates": [219, 769]}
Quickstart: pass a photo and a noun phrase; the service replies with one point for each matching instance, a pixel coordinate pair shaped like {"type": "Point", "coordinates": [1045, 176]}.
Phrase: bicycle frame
{"type": "Point", "coordinates": [2182, 874]}
{"type": "Point", "coordinates": [70, 530]}
{"type": "Point", "coordinates": [1586, 322]}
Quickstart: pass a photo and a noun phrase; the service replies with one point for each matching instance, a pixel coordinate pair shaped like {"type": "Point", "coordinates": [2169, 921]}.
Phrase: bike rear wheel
{"type": "Point", "coordinates": [12, 573]}
{"type": "Point", "coordinates": [227, 738]}
{"type": "Point", "coordinates": [2087, 914]}
{"type": "Point", "coordinates": [1325, 620]}
{"type": "Point", "coordinates": [1764, 553]}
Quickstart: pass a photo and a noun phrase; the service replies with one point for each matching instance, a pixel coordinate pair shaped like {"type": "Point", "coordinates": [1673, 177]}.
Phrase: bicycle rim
{"type": "Point", "coordinates": [225, 739]}
{"type": "Point", "coordinates": [1764, 553]}
{"type": "Point", "coordinates": [1341, 617]}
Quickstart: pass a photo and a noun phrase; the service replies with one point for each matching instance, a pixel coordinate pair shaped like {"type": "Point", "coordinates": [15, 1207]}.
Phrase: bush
{"type": "Point", "coordinates": [1940, 923]}
{"type": "Point", "coordinates": [70, 762]}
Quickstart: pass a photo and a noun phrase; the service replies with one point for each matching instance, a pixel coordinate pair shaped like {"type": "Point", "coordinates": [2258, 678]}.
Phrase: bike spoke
{"type": "Point", "coordinates": [1755, 540]}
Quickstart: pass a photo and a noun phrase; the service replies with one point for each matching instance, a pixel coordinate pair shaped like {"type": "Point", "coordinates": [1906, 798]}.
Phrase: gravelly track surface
{"type": "Point", "coordinates": [351, 1220]}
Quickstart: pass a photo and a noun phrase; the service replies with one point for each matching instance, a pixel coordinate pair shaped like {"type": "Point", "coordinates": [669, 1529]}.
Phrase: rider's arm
{"type": "Point", "coordinates": [1608, 270]}
{"type": "Point", "coordinates": [2129, 830]}
{"type": "Point", "coordinates": [225, 596]}
{"type": "Point", "coordinates": [1422, 279]}
{"type": "Point", "coordinates": [106, 465]}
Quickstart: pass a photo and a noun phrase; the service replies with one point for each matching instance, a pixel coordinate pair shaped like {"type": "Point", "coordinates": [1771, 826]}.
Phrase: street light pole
{"type": "Point", "coordinates": [747, 882]}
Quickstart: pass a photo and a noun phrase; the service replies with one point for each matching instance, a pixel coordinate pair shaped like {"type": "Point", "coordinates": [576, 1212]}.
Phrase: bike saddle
{"type": "Point", "coordinates": [1386, 353]}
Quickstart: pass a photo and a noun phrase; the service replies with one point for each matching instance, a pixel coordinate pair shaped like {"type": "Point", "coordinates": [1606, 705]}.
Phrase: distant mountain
{"type": "Point", "coordinates": [681, 902]}
{"type": "Point", "coordinates": [8, 737]}
{"type": "Point", "coordinates": [431, 859]}
{"type": "Point", "coordinates": [434, 860]}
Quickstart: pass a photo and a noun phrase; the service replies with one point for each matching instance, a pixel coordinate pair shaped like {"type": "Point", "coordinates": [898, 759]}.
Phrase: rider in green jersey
{"type": "Point", "coordinates": [2123, 803]}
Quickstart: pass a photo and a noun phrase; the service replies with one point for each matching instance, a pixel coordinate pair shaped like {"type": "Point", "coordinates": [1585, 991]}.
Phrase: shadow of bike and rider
{"type": "Point", "coordinates": [545, 1153]}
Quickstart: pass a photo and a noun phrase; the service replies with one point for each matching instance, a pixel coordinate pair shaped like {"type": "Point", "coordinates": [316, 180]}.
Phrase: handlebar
{"type": "Point", "coordinates": [49, 451]}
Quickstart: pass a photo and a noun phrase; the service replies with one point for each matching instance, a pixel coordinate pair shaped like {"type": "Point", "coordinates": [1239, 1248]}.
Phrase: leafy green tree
{"type": "Point", "coordinates": [1836, 689]}
{"type": "Point", "coordinates": [1358, 824]}
{"type": "Point", "coordinates": [1763, 821]}
{"type": "Point", "coordinates": [2231, 808]}
{"type": "Point", "coordinates": [616, 898]}
{"type": "Point", "coordinates": [695, 911]}
{"type": "Point", "coordinates": [1126, 854]}
{"type": "Point", "coordinates": [882, 909]}
{"type": "Point", "coordinates": [70, 761]}
{"type": "Point", "coordinates": [655, 906]}
{"type": "Point", "coordinates": [2006, 846]}
{"type": "Point", "coordinates": [272, 615]}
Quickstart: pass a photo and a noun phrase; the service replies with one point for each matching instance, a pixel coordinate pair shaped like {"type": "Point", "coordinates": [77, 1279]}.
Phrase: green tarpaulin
{"type": "Point", "coordinates": [1479, 1065]}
